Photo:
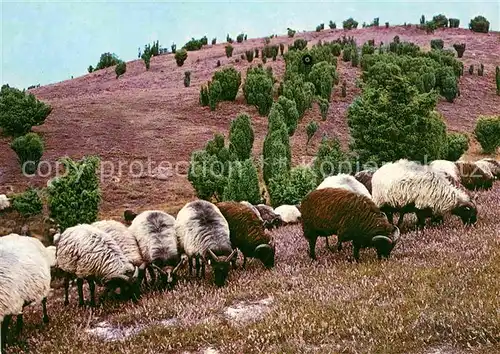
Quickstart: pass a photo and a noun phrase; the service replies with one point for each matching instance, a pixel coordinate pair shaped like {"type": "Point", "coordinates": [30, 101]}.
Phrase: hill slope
{"type": "Point", "coordinates": [151, 115]}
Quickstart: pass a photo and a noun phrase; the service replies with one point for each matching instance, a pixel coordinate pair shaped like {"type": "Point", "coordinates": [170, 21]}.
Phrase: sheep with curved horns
{"type": "Point", "coordinates": [494, 166]}
{"type": "Point", "coordinates": [351, 216]}
{"type": "Point", "coordinates": [155, 233]}
{"type": "Point", "coordinates": [365, 178]}
{"type": "Point", "coordinates": [247, 233]}
{"type": "Point", "coordinates": [408, 187]}
{"type": "Point", "coordinates": [86, 252]}
{"type": "Point", "coordinates": [271, 219]}
{"type": "Point", "coordinates": [24, 279]}
{"type": "Point", "coordinates": [448, 168]}
{"type": "Point", "coordinates": [473, 177]}
{"type": "Point", "coordinates": [345, 181]}
{"type": "Point", "coordinates": [290, 214]}
{"type": "Point", "coordinates": [203, 235]}
{"type": "Point", "coordinates": [4, 202]}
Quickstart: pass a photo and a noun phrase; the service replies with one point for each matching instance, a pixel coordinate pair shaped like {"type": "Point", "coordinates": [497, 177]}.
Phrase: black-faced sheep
{"type": "Point", "coordinates": [290, 214]}
{"type": "Point", "coordinates": [271, 219]}
{"type": "Point", "coordinates": [24, 279]}
{"type": "Point", "coordinates": [155, 234]}
{"type": "Point", "coordinates": [473, 177]}
{"type": "Point", "coordinates": [247, 233]}
{"type": "Point", "coordinates": [493, 165]}
{"type": "Point", "coordinates": [350, 216]}
{"type": "Point", "coordinates": [86, 252]}
{"type": "Point", "coordinates": [408, 187]}
{"type": "Point", "coordinates": [203, 234]}
{"type": "Point", "coordinates": [345, 181]}
{"type": "Point", "coordinates": [365, 178]}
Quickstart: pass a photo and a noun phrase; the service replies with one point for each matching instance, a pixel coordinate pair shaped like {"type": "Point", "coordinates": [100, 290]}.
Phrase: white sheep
{"type": "Point", "coordinates": [406, 186]}
{"type": "Point", "coordinates": [290, 214]}
{"type": "Point", "coordinates": [487, 167]}
{"type": "Point", "coordinates": [86, 252]}
{"type": "Point", "coordinates": [449, 168]}
{"type": "Point", "coordinates": [203, 232]}
{"type": "Point", "coordinates": [494, 166]}
{"type": "Point", "coordinates": [347, 182]}
{"type": "Point", "coordinates": [4, 202]}
{"type": "Point", "coordinates": [155, 234]}
{"type": "Point", "coordinates": [24, 278]}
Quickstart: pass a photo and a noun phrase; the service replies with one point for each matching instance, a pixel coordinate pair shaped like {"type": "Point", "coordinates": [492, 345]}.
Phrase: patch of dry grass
{"type": "Point", "coordinates": [438, 293]}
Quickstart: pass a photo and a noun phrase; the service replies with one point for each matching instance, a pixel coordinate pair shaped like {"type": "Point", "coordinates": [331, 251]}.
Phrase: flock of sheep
{"type": "Point", "coordinates": [156, 245]}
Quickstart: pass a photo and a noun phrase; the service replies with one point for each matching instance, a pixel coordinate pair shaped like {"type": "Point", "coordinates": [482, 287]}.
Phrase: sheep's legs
{"type": "Point", "coordinates": [5, 328]}
{"type": "Point", "coordinates": [197, 266]}
{"type": "Point", "coordinates": [355, 250]}
{"type": "Point", "coordinates": [19, 325]}
{"type": "Point", "coordinates": [400, 220]}
{"type": "Point", "coordinates": [66, 291]}
{"type": "Point", "coordinates": [152, 275]}
{"type": "Point", "coordinates": [190, 261]}
{"type": "Point", "coordinates": [312, 247]}
{"type": "Point", "coordinates": [44, 310]}
{"type": "Point", "coordinates": [244, 261]}
{"type": "Point", "coordinates": [92, 292]}
{"type": "Point", "coordinates": [79, 284]}
{"type": "Point", "coordinates": [202, 268]}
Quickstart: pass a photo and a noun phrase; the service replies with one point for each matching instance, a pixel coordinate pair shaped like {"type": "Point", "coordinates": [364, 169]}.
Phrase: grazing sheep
{"type": "Point", "coordinates": [351, 216]}
{"type": "Point", "coordinates": [247, 233]}
{"type": "Point", "coordinates": [290, 214]}
{"type": "Point", "coordinates": [487, 167]}
{"type": "Point", "coordinates": [365, 177]}
{"type": "Point", "coordinates": [24, 278]}
{"type": "Point", "coordinates": [494, 166]}
{"type": "Point", "coordinates": [129, 216]}
{"type": "Point", "coordinates": [345, 181]}
{"type": "Point", "coordinates": [155, 234]}
{"type": "Point", "coordinates": [473, 177]}
{"type": "Point", "coordinates": [271, 219]}
{"type": "Point", "coordinates": [86, 252]}
{"type": "Point", "coordinates": [254, 209]}
{"type": "Point", "coordinates": [406, 187]}
{"type": "Point", "coordinates": [4, 202]}
{"type": "Point", "coordinates": [203, 232]}
{"type": "Point", "coordinates": [449, 169]}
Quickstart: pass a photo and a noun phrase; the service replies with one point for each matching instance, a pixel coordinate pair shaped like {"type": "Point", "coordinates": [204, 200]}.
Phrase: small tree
{"type": "Point", "coordinates": [275, 154]}
{"type": "Point", "coordinates": [355, 56]}
{"type": "Point", "coordinates": [180, 57]}
{"type": "Point", "coordinates": [229, 39]}
{"type": "Point", "coordinates": [302, 92]}
{"type": "Point", "coordinates": [290, 113]}
{"type": "Point", "coordinates": [479, 24]}
{"type": "Point", "coordinates": [241, 137]}
{"type": "Point", "coordinates": [214, 94]}
{"type": "Point", "coordinates": [471, 69]}
{"type": "Point", "coordinates": [282, 49]}
{"type": "Point", "coordinates": [106, 60]}
{"type": "Point", "coordinates": [323, 107]}
{"type": "Point", "coordinates": [311, 129]}
{"type": "Point", "coordinates": [20, 111]}
{"type": "Point", "coordinates": [146, 57]}
{"type": "Point", "coordinates": [187, 78]}
{"type": "Point", "coordinates": [74, 197]}
{"type": "Point", "coordinates": [29, 149]}
{"type": "Point", "coordinates": [291, 32]}
{"type": "Point", "coordinates": [460, 48]}
{"type": "Point", "coordinates": [120, 69]}
{"type": "Point", "coordinates": [206, 174]}
{"type": "Point", "coordinates": [240, 37]}
{"type": "Point", "coordinates": [229, 50]}
{"type": "Point", "coordinates": [487, 132]}
{"type": "Point", "coordinates": [249, 55]}
{"type": "Point", "coordinates": [330, 159]}
{"type": "Point", "coordinates": [258, 89]}
{"type": "Point", "coordinates": [214, 41]}
{"type": "Point", "coordinates": [243, 183]}
{"type": "Point", "coordinates": [344, 88]}
{"type": "Point", "coordinates": [204, 96]}
{"type": "Point", "coordinates": [28, 203]}
{"type": "Point", "coordinates": [174, 48]}
{"type": "Point", "coordinates": [440, 20]}
{"type": "Point", "coordinates": [90, 69]}
{"type": "Point", "coordinates": [293, 187]}
{"type": "Point", "coordinates": [437, 44]}
{"type": "Point", "coordinates": [347, 54]}
{"type": "Point", "coordinates": [323, 76]}
{"type": "Point", "coordinates": [458, 144]}
{"type": "Point", "coordinates": [230, 80]}
{"type": "Point", "coordinates": [350, 23]}
{"type": "Point", "coordinates": [332, 25]}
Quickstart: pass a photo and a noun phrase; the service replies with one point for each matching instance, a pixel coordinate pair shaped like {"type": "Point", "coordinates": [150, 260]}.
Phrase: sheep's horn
{"type": "Point", "coordinates": [396, 234]}
{"type": "Point", "coordinates": [135, 275]}
{"type": "Point", "coordinates": [158, 269]}
{"type": "Point", "coordinates": [380, 237]}
{"type": "Point", "coordinates": [142, 266]}
{"type": "Point", "coordinates": [235, 252]}
{"type": "Point", "coordinates": [181, 263]}
{"type": "Point", "coordinates": [265, 245]}
{"type": "Point", "coordinates": [214, 257]}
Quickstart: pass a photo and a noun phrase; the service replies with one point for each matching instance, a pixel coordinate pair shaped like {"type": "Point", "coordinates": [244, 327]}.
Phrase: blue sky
{"type": "Point", "coordinates": [47, 41]}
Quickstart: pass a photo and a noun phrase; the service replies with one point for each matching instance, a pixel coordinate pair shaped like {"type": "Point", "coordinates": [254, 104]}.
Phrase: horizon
{"type": "Point", "coordinates": [86, 30]}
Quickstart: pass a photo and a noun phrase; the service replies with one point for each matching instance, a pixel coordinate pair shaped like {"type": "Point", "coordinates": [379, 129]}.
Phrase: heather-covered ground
{"type": "Point", "coordinates": [439, 293]}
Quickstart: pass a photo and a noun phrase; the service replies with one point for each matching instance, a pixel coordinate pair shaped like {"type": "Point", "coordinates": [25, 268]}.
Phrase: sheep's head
{"type": "Point", "coordinates": [467, 212]}
{"type": "Point", "coordinates": [220, 266]}
{"type": "Point", "coordinates": [385, 244]}
{"type": "Point", "coordinates": [265, 253]}
{"type": "Point", "coordinates": [129, 215]}
{"type": "Point", "coordinates": [128, 283]}
{"type": "Point", "coordinates": [169, 274]}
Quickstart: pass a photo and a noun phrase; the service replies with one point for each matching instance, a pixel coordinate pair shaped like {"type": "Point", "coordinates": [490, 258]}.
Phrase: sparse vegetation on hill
{"type": "Point", "coordinates": [258, 89]}
{"type": "Point", "coordinates": [311, 129]}
{"type": "Point", "coordinates": [440, 20]}
{"type": "Point", "coordinates": [29, 149]}
{"type": "Point", "coordinates": [107, 60]}
{"type": "Point", "coordinates": [193, 44]}
{"type": "Point", "coordinates": [181, 56]}
{"type": "Point", "coordinates": [291, 32]}
{"type": "Point", "coordinates": [229, 50]}
{"type": "Point", "coordinates": [350, 23]}
{"type": "Point", "coordinates": [479, 24]}
{"type": "Point", "coordinates": [28, 203]}
{"type": "Point", "coordinates": [487, 132]}
{"type": "Point", "coordinates": [332, 25]}
{"type": "Point", "coordinates": [241, 137]}
{"type": "Point", "coordinates": [120, 69]}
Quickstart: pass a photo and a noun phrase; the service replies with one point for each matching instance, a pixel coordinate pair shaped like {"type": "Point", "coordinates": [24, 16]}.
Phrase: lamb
{"type": "Point", "coordinates": [494, 166]}
{"type": "Point", "coordinates": [86, 252]}
{"type": "Point", "coordinates": [449, 169]}
{"type": "Point", "coordinates": [365, 177]}
{"type": "Point", "coordinates": [351, 216]}
{"type": "Point", "coordinates": [203, 232]}
{"type": "Point", "coordinates": [345, 181]}
{"type": "Point", "coordinates": [156, 237]}
{"type": "Point", "coordinates": [405, 186]}
{"type": "Point", "coordinates": [271, 219]}
{"type": "Point", "coordinates": [24, 278]}
{"type": "Point", "coordinates": [290, 214]}
{"type": "Point", "coordinates": [4, 202]}
{"type": "Point", "coordinates": [473, 177]}
{"type": "Point", "coordinates": [247, 233]}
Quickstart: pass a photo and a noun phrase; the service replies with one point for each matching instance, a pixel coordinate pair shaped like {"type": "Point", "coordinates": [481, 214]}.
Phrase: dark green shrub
{"type": "Point", "coordinates": [311, 129]}
{"type": "Point", "coordinates": [437, 44]}
{"type": "Point", "coordinates": [214, 41]}
{"type": "Point", "coordinates": [180, 57]}
{"type": "Point", "coordinates": [241, 137]}
{"type": "Point", "coordinates": [375, 22]}
{"type": "Point", "coordinates": [323, 76]}
{"type": "Point", "coordinates": [350, 23]}
{"type": "Point", "coordinates": [422, 20]}
{"type": "Point", "coordinates": [270, 51]}
{"type": "Point", "coordinates": [146, 57]}
{"type": "Point", "coordinates": [300, 44]}
{"type": "Point", "coordinates": [204, 40]}
{"type": "Point", "coordinates": [218, 64]}
{"type": "Point", "coordinates": [479, 24]}
{"type": "Point", "coordinates": [230, 81]}
{"type": "Point", "coordinates": [229, 50]}
{"type": "Point", "coordinates": [229, 39]}
{"type": "Point", "coordinates": [206, 174]}
{"type": "Point", "coordinates": [28, 203]}
{"type": "Point", "coordinates": [106, 60]}
{"type": "Point", "coordinates": [497, 79]}
{"type": "Point", "coordinates": [204, 96]}
{"type": "Point", "coordinates": [193, 44]}
{"type": "Point", "coordinates": [354, 56]}
{"type": "Point", "coordinates": [302, 92]}
{"type": "Point", "coordinates": [240, 37]}
{"type": "Point", "coordinates": [460, 48]}
{"type": "Point", "coordinates": [336, 49]}
{"type": "Point", "coordinates": [245, 38]}
{"type": "Point", "coordinates": [458, 144]}
{"type": "Point", "coordinates": [387, 25]}
{"type": "Point", "coordinates": [249, 55]}
{"type": "Point", "coordinates": [174, 48]}
{"type": "Point", "coordinates": [323, 107]}
{"type": "Point", "coordinates": [242, 183]}
{"type": "Point", "coordinates": [430, 26]}
{"type": "Point", "coordinates": [454, 22]}
{"type": "Point", "coordinates": [282, 49]}
{"type": "Point", "coordinates": [449, 88]}
{"type": "Point", "coordinates": [276, 153]}
{"type": "Point", "coordinates": [332, 25]}
{"type": "Point", "coordinates": [290, 113]}
{"type": "Point", "coordinates": [347, 54]}
{"type": "Point", "coordinates": [440, 20]}
{"type": "Point", "coordinates": [74, 197]}
{"type": "Point", "coordinates": [120, 69]}
{"type": "Point", "coordinates": [29, 149]}
{"type": "Point", "coordinates": [293, 187]}
{"type": "Point", "coordinates": [367, 49]}
{"type": "Point", "coordinates": [471, 69]}
{"type": "Point", "coordinates": [480, 70]}
{"type": "Point", "coordinates": [214, 94]}
{"type": "Point", "coordinates": [20, 111]}
{"type": "Point", "coordinates": [258, 90]}
{"type": "Point", "coordinates": [320, 27]}
{"type": "Point", "coordinates": [330, 159]}
{"type": "Point", "coordinates": [428, 82]}
{"type": "Point", "coordinates": [187, 78]}
{"type": "Point", "coordinates": [344, 88]}
{"type": "Point", "coordinates": [290, 32]}
{"type": "Point", "coordinates": [487, 132]}
{"type": "Point", "coordinates": [90, 69]}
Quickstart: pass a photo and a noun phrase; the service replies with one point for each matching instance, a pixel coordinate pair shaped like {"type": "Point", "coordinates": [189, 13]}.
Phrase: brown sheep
{"type": "Point", "coordinates": [350, 216]}
{"type": "Point", "coordinates": [365, 177]}
{"type": "Point", "coordinates": [271, 219]}
{"type": "Point", "coordinates": [473, 177]}
{"type": "Point", "coordinates": [247, 233]}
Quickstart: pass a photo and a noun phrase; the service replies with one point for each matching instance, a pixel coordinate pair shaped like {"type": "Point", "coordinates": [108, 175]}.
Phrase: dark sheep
{"type": "Point", "coordinates": [247, 233]}
{"type": "Point", "coordinates": [365, 177]}
{"type": "Point", "coordinates": [271, 219]}
{"type": "Point", "coordinates": [129, 216]}
{"type": "Point", "coordinates": [350, 216]}
{"type": "Point", "coordinates": [473, 177]}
